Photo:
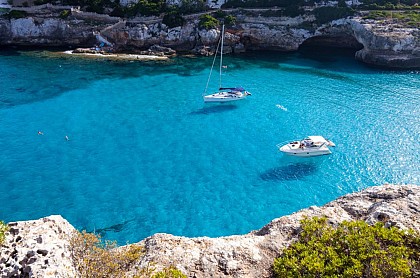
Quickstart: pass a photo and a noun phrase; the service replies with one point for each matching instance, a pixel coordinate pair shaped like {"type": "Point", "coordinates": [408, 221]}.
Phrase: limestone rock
{"type": "Point", "coordinates": [40, 248]}
{"type": "Point", "coordinates": [37, 248]}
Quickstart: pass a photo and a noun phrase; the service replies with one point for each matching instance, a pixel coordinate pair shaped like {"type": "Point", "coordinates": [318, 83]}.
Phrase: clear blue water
{"type": "Point", "coordinates": [145, 154]}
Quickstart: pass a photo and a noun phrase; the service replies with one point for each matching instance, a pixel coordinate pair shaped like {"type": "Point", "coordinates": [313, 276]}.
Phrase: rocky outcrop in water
{"type": "Point", "coordinates": [39, 248]}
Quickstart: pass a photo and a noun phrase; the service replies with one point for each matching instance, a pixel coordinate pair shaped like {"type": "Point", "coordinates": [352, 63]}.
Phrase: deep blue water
{"type": "Point", "coordinates": [145, 154]}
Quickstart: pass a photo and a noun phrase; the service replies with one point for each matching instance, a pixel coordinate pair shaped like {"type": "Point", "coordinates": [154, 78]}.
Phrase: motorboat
{"type": "Point", "coordinates": [309, 146]}
{"type": "Point", "coordinates": [223, 94]}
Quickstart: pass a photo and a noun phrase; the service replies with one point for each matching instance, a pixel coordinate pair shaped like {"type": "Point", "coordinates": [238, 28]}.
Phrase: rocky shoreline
{"type": "Point", "coordinates": [39, 248]}
{"type": "Point", "coordinates": [385, 43]}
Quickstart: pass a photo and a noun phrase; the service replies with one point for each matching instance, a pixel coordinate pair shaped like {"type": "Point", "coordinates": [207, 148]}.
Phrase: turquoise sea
{"type": "Point", "coordinates": [146, 156]}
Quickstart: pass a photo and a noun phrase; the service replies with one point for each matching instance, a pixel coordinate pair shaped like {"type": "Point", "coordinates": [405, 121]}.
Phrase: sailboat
{"type": "Point", "coordinates": [224, 94]}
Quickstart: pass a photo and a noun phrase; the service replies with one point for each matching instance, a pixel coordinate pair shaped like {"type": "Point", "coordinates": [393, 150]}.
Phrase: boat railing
{"type": "Point", "coordinates": [286, 143]}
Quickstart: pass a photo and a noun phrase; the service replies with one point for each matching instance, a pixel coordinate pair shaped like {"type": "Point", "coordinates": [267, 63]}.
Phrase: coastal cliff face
{"type": "Point", "coordinates": [39, 248]}
{"type": "Point", "coordinates": [383, 43]}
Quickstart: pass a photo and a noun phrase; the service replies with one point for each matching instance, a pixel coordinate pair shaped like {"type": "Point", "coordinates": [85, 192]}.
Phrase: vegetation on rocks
{"type": "Point", "coordinates": [16, 14]}
{"type": "Point", "coordinates": [173, 19]}
{"type": "Point", "coordinates": [327, 14]}
{"type": "Point", "coordinates": [3, 229]}
{"type": "Point", "coordinates": [410, 18]}
{"type": "Point", "coordinates": [93, 257]}
{"type": "Point", "coordinates": [352, 249]}
{"type": "Point", "coordinates": [208, 22]}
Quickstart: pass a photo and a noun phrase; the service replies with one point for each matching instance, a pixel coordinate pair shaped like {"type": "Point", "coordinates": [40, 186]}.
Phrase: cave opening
{"type": "Point", "coordinates": [345, 42]}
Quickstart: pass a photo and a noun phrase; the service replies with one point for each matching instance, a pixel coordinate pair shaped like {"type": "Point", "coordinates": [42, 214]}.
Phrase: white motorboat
{"type": "Point", "coordinates": [224, 94]}
{"type": "Point", "coordinates": [310, 146]}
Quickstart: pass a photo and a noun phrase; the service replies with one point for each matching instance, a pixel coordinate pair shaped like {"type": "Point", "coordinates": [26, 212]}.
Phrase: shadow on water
{"type": "Point", "coordinates": [114, 228]}
{"type": "Point", "coordinates": [315, 72]}
{"type": "Point", "coordinates": [294, 171]}
{"type": "Point", "coordinates": [214, 109]}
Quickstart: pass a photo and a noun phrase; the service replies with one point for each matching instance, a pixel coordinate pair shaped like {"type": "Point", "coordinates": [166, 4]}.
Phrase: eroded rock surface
{"type": "Point", "coordinates": [39, 248]}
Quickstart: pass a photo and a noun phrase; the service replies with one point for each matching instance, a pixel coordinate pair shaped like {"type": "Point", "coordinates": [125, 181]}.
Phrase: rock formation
{"type": "Point", "coordinates": [39, 248]}
{"type": "Point", "coordinates": [383, 43]}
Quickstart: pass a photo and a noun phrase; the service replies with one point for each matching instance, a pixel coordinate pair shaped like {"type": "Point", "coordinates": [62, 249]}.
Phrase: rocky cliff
{"type": "Point", "coordinates": [384, 43]}
{"type": "Point", "coordinates": [39, 248]}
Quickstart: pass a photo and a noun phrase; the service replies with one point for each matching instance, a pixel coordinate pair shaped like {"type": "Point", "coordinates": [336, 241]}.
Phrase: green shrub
{"type": "Point", "coordinates": [262, 3]}
{"type": "Point", "coordinates": [293, 11]}
{"type": "Point", "coordinates": [327, 14]}
{"type": "Point", "coordinates": [170, 272]}
{"type": "Point", "coordinates": [208, 22]}
{"type": "Point", "coordinates": [16, 14]}
{"type": "Point", "coordinates": [65, 14]}
{"type": "Point", "coordinates": [93, 257]}
{"type": "Point", "coordinates": [230, 20]}
{"type": "Point", "coordinates": [3, 229]}
{"type": "Point", "coordinates": [352, 249]}
{"type": "Point", "coordinates": [219, 14]}
{"type": "Point", "coordinates": [192, 6]}
{"type": "Point", "coordinates": [173, 19]}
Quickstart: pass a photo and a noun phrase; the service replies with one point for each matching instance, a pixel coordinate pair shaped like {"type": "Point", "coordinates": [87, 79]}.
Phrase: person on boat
{"type": "Point", "coordinates": [40, 133]}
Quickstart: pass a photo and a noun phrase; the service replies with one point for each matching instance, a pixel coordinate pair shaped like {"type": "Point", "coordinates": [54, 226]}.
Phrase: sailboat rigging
{"type": "Point", "coordinates": [224, 94]}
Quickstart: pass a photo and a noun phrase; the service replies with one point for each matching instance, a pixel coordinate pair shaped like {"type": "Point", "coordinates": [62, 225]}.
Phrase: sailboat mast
{"type": "Point", "coordinates": [221, 56]}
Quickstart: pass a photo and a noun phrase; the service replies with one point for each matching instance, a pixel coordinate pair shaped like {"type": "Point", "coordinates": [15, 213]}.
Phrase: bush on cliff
{"type": "Point", "coordinates": [208, 22]}
{"type": "Point", "coordinates": [92, 257]}
{"type": "Point", "coordinates": [16, 14]}
{"type": "Point", "coordinates": [3, 229]}
{"type": "Point", "coordinates": [327, 14]}
{"type": "Point", "coordinates": [352, 249]}
{"type": "Point", "coordinates": [173, 19]}
{"type": "Point", "coordinates": [262, 3]}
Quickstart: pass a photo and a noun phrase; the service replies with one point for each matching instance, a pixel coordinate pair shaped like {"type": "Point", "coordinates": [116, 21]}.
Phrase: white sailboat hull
{"type": "Point", "coordinates": [225, 97]}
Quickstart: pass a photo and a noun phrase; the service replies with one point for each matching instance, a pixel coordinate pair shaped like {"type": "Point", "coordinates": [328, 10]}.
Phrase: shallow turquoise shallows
{"type": "Point", "coordinates": [146, 156]}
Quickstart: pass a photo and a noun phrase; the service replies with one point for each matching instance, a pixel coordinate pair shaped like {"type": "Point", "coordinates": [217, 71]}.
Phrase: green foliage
{"type": "Point", "coordinates": [389, 2]}
{"type": "Point", "coordinates": [93, 257]}
{"type": "Point", "coordinates": [65, 14]}
{"type": "Point", "coordinates": [208, 22]}
{"type": "Point", "coordinates": [327, 14]}
{"type": "Point", "coordinates": [16, 14]}
{"type": "Point", "coordinates": [342, 3]}
{"type": "Point", "coordinates": [173, 19]}
{"type": "Point", "coordinates": [410, 18]}
{"type": "Point", "coordinates": [170, 272]}
{"type": "Point", "coordinates": [293, 11]}
{"type": "Point", "coordinates": [262, 3]}
{"type": "Point", "coordinates": [146, 8]}
{"type": "Point", "coordinates": [230, 20]}
{"type": "Point", "coordinates": [192, 6]}
{"type": "Point", "coordinates": [222, 16]}
{"type": "Point", "coordinates": [3, 229]}
{"type": "Point", "coordinates": [353, 249]}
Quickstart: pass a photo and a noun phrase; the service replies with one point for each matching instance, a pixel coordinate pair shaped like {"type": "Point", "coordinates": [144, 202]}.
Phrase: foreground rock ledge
{"type": "Point", "coordinates": [39, 248]}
